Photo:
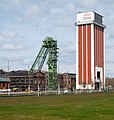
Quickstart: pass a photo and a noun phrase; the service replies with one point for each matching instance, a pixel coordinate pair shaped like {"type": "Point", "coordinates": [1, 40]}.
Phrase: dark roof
{"type": "Point", "coordinates": [72, 75]}
{"type": "Point", "coordinates": [18, 73]}
{"type": "Point", "coordinates": [3, 79]}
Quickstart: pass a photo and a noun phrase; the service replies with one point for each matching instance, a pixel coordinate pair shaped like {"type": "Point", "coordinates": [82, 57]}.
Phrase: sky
{"type": "Point", "coordinates": [24, 24]}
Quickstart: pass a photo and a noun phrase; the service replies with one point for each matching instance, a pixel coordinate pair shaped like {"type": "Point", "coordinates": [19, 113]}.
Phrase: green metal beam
{"type": "Point", "coordinates": [37, 60]}
{"type": "Point", "coordinates": [49, 48]}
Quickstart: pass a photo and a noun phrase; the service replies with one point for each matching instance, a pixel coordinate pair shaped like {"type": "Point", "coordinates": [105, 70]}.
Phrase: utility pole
{"type": "Point", "coordinates": [58, 89]}
{"type": "Point", "coordinates": [45, 85]}
{"type": "Point", "coordinates": [38, 88]}
{"type": "Point", "coordinates": [28, 80]}
{"type": "Point", "coordinates": [8, 65]}
{"type": "Point", "coordinates": [107, 84]}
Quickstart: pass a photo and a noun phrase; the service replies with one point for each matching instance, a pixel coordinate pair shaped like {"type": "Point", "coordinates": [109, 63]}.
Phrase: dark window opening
{"type": "Point", "coordinates": [98, 75]}
{"type": "Point", "coordinates": [97, 85]}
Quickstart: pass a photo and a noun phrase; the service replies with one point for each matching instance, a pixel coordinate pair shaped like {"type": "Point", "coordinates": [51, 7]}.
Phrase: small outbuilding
{"type": "Point", "coordinates": [4, 83]}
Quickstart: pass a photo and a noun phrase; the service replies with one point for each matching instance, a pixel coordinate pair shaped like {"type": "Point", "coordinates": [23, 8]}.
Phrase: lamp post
{"type": "Point", "coordinates": [9, 90]}
{"type": "Point", "coordinates": [28, 80]}
{"type": "Point", "coordinates": [38, 88]}
{"type": "Point", "coordinates": [107, 84]}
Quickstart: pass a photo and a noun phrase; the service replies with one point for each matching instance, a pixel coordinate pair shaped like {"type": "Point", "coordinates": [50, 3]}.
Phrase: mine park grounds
{"type": "Point", "coordinates": [92, 106]}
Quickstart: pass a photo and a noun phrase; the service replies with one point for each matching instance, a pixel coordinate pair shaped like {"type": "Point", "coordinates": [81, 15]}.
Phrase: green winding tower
{"type": "Point", "coordinates": [49, 48]}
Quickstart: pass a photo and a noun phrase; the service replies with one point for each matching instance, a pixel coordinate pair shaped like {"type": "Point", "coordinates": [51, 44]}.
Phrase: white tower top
{"type": "Point", "coordinates": [89, 17]}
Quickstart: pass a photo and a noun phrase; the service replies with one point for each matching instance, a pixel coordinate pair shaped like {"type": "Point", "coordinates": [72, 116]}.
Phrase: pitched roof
{"type": "Point", "coordinates": [3, 79]}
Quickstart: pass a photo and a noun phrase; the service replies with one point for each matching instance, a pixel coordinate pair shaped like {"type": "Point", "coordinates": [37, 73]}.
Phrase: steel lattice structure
{"type": "Point", "coordinates": [49, 48]}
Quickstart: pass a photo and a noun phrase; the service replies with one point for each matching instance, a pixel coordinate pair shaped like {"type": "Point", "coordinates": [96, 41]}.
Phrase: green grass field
{"type": "Point", "coordinates": [94, 106]}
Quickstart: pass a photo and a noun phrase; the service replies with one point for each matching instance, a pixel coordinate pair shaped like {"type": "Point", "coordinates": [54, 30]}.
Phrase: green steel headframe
{"type": "Point", "coordinates": [49, 48]}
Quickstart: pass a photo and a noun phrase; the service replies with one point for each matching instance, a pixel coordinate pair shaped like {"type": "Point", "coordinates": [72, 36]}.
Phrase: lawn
{"type": "Point", "coordinates": [94, 106]}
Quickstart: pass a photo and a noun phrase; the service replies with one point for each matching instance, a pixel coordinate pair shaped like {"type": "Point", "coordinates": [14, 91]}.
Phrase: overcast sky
{"type": "Point", "coordinates": [25, 23]}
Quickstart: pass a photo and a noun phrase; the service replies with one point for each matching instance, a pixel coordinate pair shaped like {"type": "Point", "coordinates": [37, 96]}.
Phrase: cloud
{"type": "Point", "coordinates": [16, 2]}
{"type": "Point", "coordinates": [67, 55]}
{"type": "Point", "coordinates": [65, 67]}
{"type": "Point", "coordinates": [70, 7]}
{"type": "Point", "coordinates": [68, 47]}
{"type": "Point", "coordinates": [56, 11]}
{"type": "Point", "coordinates": [27, 62]}
{"type": "Point", "coordinates": [7, 35]}
{"type": "Point", "coordinates": [32, 11]}
{"type": "Point", "coordinates": [10, 46]}
{"type": "Point", "coordinates": [1, 38]}
{"type": "Point", "coordinates": [90, 3]}
{"type": "Point", "coordinates": [109, 69]}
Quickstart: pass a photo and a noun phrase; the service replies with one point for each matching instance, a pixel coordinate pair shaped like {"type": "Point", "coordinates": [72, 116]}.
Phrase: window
{"type": "Point", "coordinates": [98, 74]}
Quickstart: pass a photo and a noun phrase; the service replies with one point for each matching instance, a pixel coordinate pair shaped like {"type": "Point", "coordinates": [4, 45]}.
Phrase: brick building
{"type": "Point", "coordinates": [69, 80]}
{"type": "Point", "coordinates": [4, 83]}
{"type": "Point", "coordinates": [21, 80]}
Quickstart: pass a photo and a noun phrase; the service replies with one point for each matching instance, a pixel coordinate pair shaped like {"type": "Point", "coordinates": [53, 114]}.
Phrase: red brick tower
{"type": "Point", "coordinates": [90, 55]}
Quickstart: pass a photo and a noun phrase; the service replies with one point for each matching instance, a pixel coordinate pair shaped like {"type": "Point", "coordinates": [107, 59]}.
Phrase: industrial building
{"type": "Point", "coordinates": [69, 80]}
{"type": "Point", "coordinates": [4, 83]}
{"type": "Point", "coordinates": [90, 51]}
{"type": "Point", "coordinates": [21, 81]}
